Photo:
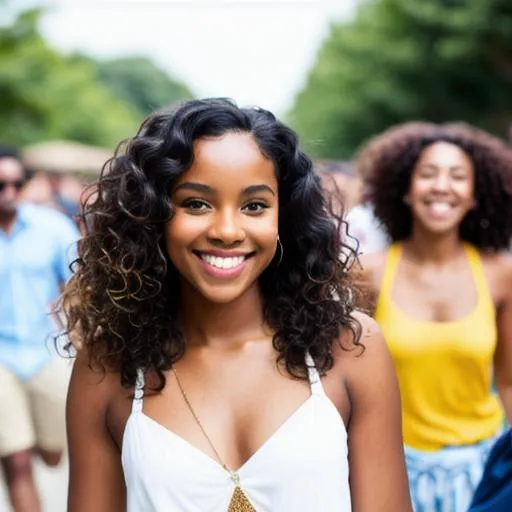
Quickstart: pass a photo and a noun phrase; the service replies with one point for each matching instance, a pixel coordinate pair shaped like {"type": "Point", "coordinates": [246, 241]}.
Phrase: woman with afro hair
{"type": "Point", "coordinates": [221, 366]}
{"type": "Point", "coordinates": [443, 297]}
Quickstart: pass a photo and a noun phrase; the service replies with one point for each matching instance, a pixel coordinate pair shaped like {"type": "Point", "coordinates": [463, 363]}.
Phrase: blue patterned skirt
{"type": "Point", "coordinates": [445, 480]}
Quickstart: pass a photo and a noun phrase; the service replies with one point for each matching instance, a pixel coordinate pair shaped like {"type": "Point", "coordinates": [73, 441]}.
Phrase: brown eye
{"type": "Point", "coordinates": [255, 207]}
{"type": "Point", "coordinates": [195, 205]}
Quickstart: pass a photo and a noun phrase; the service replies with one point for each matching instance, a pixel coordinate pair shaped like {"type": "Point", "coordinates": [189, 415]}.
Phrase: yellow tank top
{"type": "Point", "coordinates": [444, 368]}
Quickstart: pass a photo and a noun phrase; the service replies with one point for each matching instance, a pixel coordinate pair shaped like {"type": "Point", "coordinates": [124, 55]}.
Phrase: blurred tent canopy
{"type": "Point", "coordinates": [66, 157]}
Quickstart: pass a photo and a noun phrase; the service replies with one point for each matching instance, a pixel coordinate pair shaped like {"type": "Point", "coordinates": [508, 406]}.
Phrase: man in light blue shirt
{"type": "Point", "coordinates": [36, 247]}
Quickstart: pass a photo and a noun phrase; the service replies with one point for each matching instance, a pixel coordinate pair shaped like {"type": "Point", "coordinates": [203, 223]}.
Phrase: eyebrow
{"type": "Point", "coordinates": [205, 189]}
{"type": "Point", "coordinates": [253, 189]}
{"type": "Point", "coordinates": [195, 187]}
{"type": "Point", "coordinates": [451, 168]}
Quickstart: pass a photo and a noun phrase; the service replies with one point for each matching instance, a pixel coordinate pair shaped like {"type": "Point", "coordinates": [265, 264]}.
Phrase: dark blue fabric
{"type": "Point", "coordinates": [494, 492]}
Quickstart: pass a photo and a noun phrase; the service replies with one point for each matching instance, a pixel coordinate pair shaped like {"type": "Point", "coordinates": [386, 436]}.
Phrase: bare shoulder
{"type": "Point", "coordinates": [498, 270]}
{"type": "Point", "coordinates": [501, 261]}
{"type": "Point", "coordinates": [369, 341]}
{"type": "Point", "coordinates": [366, 360]}
{"type": "Point", "coordinates": [90, 386]}
{"type": "Point", "coordinates": [90, 374]}
{"type": "Point", "coordinates": [369, 327]}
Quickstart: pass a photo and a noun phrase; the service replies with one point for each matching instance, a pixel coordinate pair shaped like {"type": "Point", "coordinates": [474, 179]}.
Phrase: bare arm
{"type": "Point", "coordinates": [503, 356]}
{"type": "Point", "coordinates": [96, 482]}
{"type": "Point", "coordinates": [378, 479]}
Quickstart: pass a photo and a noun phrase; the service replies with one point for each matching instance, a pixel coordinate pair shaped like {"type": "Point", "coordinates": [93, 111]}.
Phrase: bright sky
{"type": "Point", "coordinates": [255, 51]}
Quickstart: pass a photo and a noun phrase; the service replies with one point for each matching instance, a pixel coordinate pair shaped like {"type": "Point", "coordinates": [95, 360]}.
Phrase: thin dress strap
{"type": "Point", "coordinates": [477, 269]}
{"type": "Point", "coordinates": [138, 395]}
{"type": "Point", "coordinates": [314, 377]}
{"type": "Point", "coordinates": [384, 301]}
{"type": "Point", "coordinates": [393, 256]}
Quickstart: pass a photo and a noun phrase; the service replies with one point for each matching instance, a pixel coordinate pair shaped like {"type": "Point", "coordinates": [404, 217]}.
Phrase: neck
{"type": "Point", "coordinates": [223, 326]}
{"type": "Point", "coordinates": [434, 248]}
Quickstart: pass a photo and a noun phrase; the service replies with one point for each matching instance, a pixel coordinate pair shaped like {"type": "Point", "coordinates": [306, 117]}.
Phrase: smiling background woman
{"type": "Point", "coordinates": [222, 367]}
{"type": "Point", "coordinates": [443, 295]}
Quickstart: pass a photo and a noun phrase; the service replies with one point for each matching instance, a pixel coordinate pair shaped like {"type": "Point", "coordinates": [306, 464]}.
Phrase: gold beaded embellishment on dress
{"type": "Point", "coordinates": [239, 502]}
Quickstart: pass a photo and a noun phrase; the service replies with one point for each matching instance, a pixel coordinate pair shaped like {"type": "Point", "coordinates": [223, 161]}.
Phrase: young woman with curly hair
{"type": "Point", "coordinates": [443, 295]}
{"type": "Point", "coordinates": [221, 364]}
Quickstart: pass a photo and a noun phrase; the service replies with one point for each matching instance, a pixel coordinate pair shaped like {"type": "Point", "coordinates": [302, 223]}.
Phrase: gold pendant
{"type": "Point", "coordinates": [239, 502]}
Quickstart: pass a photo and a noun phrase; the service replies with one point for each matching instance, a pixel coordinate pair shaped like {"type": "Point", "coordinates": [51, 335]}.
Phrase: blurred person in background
{"type": "Point", "coordinates": [443, 295]}
{"type": "Point", "coordinates": [35, 248]}
{"type": "Point", "coordinates": [494, 492]}
{"type": "Point", "coordinates": [361, 231]}
{"type": "Point", "coordinates": [221, 364]}
{"type": "Point", "coordinates": [364, 227]}
{"type": "Point", "coordinates": [59, 191]}
{"type": "Point", "coordinates": [339, 179]}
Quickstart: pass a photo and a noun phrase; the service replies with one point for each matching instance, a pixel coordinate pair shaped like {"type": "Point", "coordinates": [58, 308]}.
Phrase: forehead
{"type": "Point", "coordinates": [445, 154]}
{"type": "Point", "coordinates": [233, 160]}
{"type": "Point", "coordinates": [10, 169]}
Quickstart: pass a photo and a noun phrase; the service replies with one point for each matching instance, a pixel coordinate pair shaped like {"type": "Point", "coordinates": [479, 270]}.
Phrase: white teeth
{"type": "Point", "coordinates": [223, 263]}
{"type": "Point", "coordinates": [440, 208]}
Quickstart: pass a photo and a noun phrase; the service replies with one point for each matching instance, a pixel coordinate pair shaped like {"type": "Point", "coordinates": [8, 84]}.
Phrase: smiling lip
{"type": "Point", "coordinates": [223, 264]}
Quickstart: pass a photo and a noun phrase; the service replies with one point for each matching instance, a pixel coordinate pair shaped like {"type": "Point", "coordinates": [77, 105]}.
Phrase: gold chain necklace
{"type": "Point", "coordinates": [239, 501]}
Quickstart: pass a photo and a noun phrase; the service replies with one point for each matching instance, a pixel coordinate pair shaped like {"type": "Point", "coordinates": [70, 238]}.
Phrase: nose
{"type": "Point", "coordinates": [442, 182]}
{"type": "Point", "coordinates": [226, 228]}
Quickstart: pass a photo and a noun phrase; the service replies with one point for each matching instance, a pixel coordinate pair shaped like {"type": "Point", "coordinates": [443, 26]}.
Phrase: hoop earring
{"type": "Point", "coordinates": [281, 251]}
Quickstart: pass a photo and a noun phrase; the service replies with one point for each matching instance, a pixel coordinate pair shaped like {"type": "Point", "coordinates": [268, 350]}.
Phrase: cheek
{"type": "Point", "coordinates": [414, 198]}
{"type": "Point", "coordinates": [466, 192]}
{"type": "Point", "coordinates": [264, 231]}
{"type": "Point", "coordinates": [418, 189]}
{"type": "Point", "coordinates": [181, 231]}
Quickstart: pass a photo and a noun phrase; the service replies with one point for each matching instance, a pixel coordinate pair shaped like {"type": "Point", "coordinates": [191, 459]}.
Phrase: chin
{"type": "Point", "coordinates": [220, 297]}
{"type": "Point", "coordinates": [438, 229]}
{"type": "Point", "coordinates": [441, 227]}
{"type": "Point", "coordinates": [222, 293]}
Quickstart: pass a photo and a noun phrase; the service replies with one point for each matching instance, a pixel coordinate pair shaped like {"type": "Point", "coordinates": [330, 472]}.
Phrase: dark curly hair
{"type": "Point", "coordinates": [123, 299]}
{"type": "Point", "coordinates": [386, 164]}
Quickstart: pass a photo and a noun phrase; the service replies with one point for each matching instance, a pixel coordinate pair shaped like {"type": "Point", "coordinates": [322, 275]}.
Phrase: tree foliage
{"type": "Point", "coordinates": [139, 82]}
{"type": "Point", "coordinates": [437, 60]}
{"type": "Point", "coordinates": [46, 95]}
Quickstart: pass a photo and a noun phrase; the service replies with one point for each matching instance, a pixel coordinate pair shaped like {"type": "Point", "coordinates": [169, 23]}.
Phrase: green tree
{"type": "Point", "coordinates": [438, 60]}
{"type": "Point", "coordinates": [140, 83]}
{"type": "Point", "coordinates": [45, 95]}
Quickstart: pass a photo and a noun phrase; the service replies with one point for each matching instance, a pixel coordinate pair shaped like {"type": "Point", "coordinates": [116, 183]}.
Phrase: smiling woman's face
{"type": "Point", "coordinates": [442, 188]}
{"type": "Point", "coordinates": [223, 233]}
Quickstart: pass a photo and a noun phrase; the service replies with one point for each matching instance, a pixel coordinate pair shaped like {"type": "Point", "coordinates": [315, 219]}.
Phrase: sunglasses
{"type": "Point", "coordinates": [18, 184]}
